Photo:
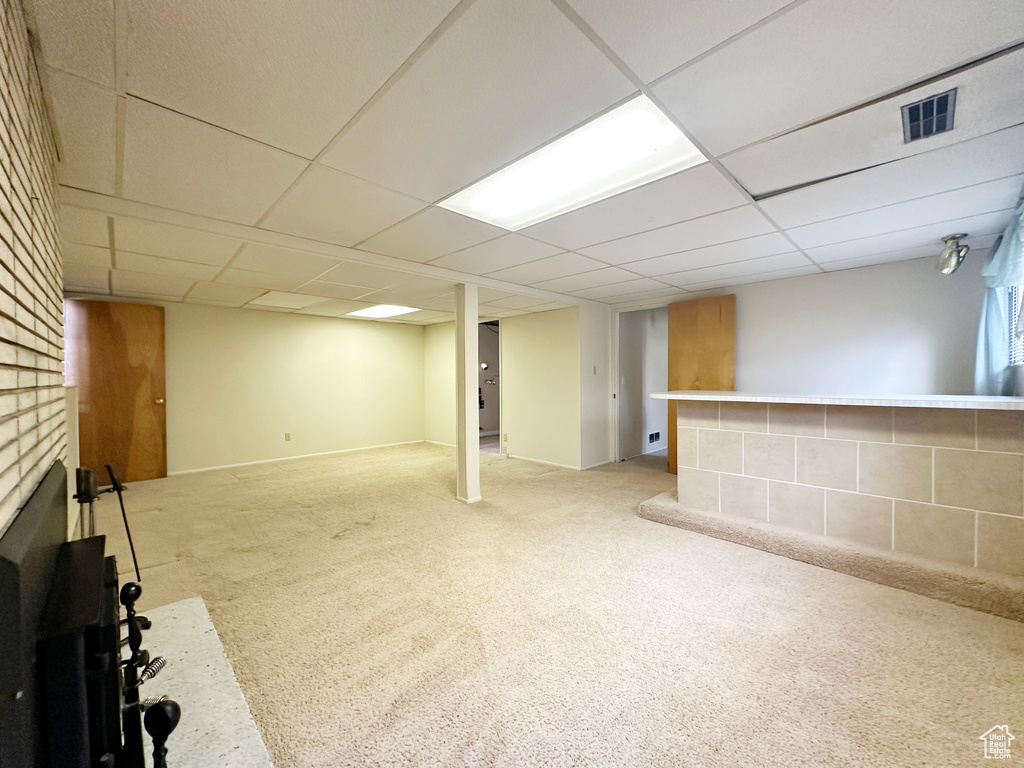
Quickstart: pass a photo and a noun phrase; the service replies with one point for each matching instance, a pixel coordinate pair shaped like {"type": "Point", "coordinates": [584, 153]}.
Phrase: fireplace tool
{"type": "Point", "coordinates": [88, 493]}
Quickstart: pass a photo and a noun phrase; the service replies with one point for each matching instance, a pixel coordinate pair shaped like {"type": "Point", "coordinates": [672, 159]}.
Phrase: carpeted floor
{"type": "Point", "coordinates": [372, 620]}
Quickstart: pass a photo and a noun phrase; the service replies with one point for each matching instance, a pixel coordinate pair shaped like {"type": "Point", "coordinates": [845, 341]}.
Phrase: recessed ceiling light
{"type": "Point", "coordinates": [632, 145]}
{"type": "Point", "coordinates": [382, 310]}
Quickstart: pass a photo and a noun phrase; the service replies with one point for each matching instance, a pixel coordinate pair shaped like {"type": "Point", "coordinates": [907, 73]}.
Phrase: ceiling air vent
{"type": "Point", "coordinates": [928, 117]}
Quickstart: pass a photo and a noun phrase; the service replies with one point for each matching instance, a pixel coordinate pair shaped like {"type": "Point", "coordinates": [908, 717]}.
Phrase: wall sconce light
{"type": "Point", "coordinates": [485, 366]}
{"type": "Point", "coordinates": [952, 255]}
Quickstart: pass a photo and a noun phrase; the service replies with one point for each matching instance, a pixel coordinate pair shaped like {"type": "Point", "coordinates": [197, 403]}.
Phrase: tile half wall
{"type": "Point", "coordinates": [941, 483]}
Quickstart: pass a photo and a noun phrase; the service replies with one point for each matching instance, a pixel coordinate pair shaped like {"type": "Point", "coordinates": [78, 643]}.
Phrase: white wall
{"type": "Point", "coordinates": [439, 383]}
{"type": "Point", "coordinates": [888, 329]}
{"type": "Point", "coordinates": [643, 369]}
{"type": "Point", "coordinates": [541, 386]}
{"type": "Point", "coordinates": [237, 380]}
{"type": "Point", "coordinates": [596, 404]}
{"type": "Point", "coordinates": [490, 353]}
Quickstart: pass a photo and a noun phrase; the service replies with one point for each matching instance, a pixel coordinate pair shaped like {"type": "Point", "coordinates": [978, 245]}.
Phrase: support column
{"type": "Point", "coordinates": [467, 404]}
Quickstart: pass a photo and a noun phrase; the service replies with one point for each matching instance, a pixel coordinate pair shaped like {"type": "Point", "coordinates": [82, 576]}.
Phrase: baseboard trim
{"type": "Point", "coordinates": [290, 458]}
{"type": "Point", "coordinates": [437, 442]}
{"type": "Point", "coordinates": [599, 464]}
{"type": "Point", "coordinates": [546, 463]}
{"type": "Point", "coordinates": [980, 590]}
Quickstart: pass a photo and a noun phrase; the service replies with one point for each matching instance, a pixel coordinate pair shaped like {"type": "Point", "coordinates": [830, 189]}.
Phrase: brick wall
{"type": "Point", "coordinates": [32, 424]}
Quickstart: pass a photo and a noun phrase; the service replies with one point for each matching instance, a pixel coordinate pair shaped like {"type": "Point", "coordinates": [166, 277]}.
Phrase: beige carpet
{"type": "Point", "coordinates": [374, 621]}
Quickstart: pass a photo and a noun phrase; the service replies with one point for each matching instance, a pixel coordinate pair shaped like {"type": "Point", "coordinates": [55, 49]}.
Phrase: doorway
{"type": "Point", "coordinates": [489, 392]}
{"type": "Point", "coordinates": [642, 433]}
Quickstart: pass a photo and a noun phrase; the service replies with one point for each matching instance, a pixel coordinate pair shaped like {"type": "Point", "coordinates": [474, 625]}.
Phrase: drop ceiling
{"type": "Point", "coordinates": [290, 157]}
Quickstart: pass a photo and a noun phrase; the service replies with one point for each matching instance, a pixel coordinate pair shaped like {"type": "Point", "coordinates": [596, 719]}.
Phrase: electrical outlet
{"type": "Point", "coordinates": [504, 438]}
{"type": "Point", "coordinates": [287, 436]}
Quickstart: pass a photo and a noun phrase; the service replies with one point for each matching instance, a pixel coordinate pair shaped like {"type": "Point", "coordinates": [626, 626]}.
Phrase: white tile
{"type": "Point", "coordinates": [86, 277]}
{"type": "Point", "coordinates": [618, 289]}
{"type": "Point", "coordinates": [656, 36]}
{"type": "Point", "coordinates": [333, 307]}
{"type": "Point", "coordinates": [441, 303]}
{"type": "Point", "coordinates": [77, 37]}
{"type": "Point", "coordinates": [180, 163]}
{"type": "Point", "coordinates": [971, 162]}
{"type": "Point", "coordinates": [595, 279]}
{"type": "Point", "coordinates": [86, 116]}
{"type": "Point", "coordinates": [990, 97]}
{"type": "Point", "coordinates": [562, 265]}
{"type": "Point", "coordinates": [837, 63]}
{"type": "Point", "coordinates": [516, 302]}
{"type": "Point", "coordinates": [912, 244]}
{"type": "Point", "coordinates": [486, 295]}
{"type": "Point", "coordinates": [972, 201]}
{"type": "Point", "coordinates": [282, 261]}
{"type": "Point", "coordinates": [657, 293]}
{"type": "Point", "coordinates": [93, 255]}
{"type": "Point", "coordinates": [288, 74]}
{"type": "Point", "coordinates": [687, 195]}
{"type": "Point", "coordinates": [333, 290]}
{"type": "Point", "coordinates": [80, 225]}
{"type": "Point", "coordinates": [171, 242]}
{"type": "Point", "coordinates": [366, 275]}
{"type": "Point", "coordinates": [429, 316]}
{"type": "Point", "coordinates": [506, 77]}
{"type": "Point", "coordinates": [235, 295]}
{"type": "Point", "coordinates": [739, 250]}
{"type": "Point", "coordinates": [134, 283]}
{"type": "Point", "coordinates": [430, 234]}
{"type": "Point", "coordinates": [723, 227]}
{"type": "Point", "coordinates": [264, 280]}
{"type": "Point", "coordinates": [338, 208]}
{"type": "Point", "coordinates": [737, 269]}
{"type": "Point", "coordinates": [283, 300]}
{"type": "Point", "coordinates": [137, 262]}
{"type": "Point", "coordinates": [402, 298]}
{"type": "Point", "coordinates": [759, 277]}
{"type": "Point", "coordinates": [507, 251]}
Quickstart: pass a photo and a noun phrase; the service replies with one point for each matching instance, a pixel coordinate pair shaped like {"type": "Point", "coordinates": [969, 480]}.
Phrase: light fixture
{"type": "Point", "coordinates": [952, 255]}
{"type": "Point", "coordinates": [382, 310]}
{"type": "Point", "coordinates": [485, 366]}
{"type": "Point", "coordinates": [632, 145]}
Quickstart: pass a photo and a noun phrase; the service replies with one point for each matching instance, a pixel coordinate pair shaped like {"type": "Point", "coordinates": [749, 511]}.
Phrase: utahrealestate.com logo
{"type": "Point", "coordinates": [997, 742]}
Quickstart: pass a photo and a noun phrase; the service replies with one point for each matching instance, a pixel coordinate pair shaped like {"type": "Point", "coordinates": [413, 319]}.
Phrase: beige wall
{"type": "Point", "coordinates": [540, 364]}
{"type": "Point", "coordinates": [439, 383]}
{"type": "Point", "coordinates": [237, 380]}
{"type": "Point", "coordinates": [596, 411]}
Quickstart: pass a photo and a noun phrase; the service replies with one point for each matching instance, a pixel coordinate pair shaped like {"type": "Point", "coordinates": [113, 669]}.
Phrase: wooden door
{"type": "Point", "coordinates": [701, 352]}
{"type": "Point", "coordinates": [114, 354]}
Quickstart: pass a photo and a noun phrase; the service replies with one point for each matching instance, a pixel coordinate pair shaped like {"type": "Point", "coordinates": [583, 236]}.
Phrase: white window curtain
{"type": "Point", "coordinates": [1004, 268]}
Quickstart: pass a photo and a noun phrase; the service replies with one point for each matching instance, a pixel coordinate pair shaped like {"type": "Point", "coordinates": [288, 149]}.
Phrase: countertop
{"type": "Point", "coordinates": [974, 402]}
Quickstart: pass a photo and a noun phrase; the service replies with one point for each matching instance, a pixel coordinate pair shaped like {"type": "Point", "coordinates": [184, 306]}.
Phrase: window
{"type": "Point", "coordinates": [1016, 342]}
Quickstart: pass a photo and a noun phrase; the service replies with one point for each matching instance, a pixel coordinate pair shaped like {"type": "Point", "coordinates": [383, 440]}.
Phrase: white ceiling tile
{"type": "Point", "coordinates": [134, 283]}
{"type": "Point", "coordinates": [283, 300]}
{"type": "Point", "coordinates": [401, 298]}
{"type": "Point", "coordinates": [288, 74]}
{"type": "Point", "coordinates": [77, 37]}
{"type": "Point", "coordinates": [990, 98]}
{"type": "Point", "coordinates": [969, 162]}
{"type": "Point", "coordinates": [93, 255]}
{"type": "Point", "coordinates": [507, 251]}
{"type": "Point", "coordinates": [980, 247]}
{"type": "Point", "coordinates": [658, 293]}
{"type": "Point", "coordinates": [137, 262]}
{"type": "Point", "coordinates": [236, 295]}
{"type": "Point", "coordinates": [429, 316]}
{"type": "Point", "coordinates": [595, 279]}
{"type": "Point", "coordinates": [737, 269]}
{"type": "Point", "coordinates": [738, 250]}
{"type": "Point", "coordinates": [86, 118]}
{"type": "Point", "coordinates": [687, 195]}
{"type": "Point", "coordinates": [428, 287]}
{"type": "Point", "coordinates": [760, 277]}
{"type": "Point", "coordinates": [441, 303]}
{"type": "Point", "coordinates": [80, 225]}
{"type": "Point", "coordinates": [508, 76]}
{"type": "Point", "coordinates": [562, 265]}
{"type": "Point", "coordinates": [338, 208]}
{"type": "Point", "coordinates": [333, 307]}
{"type": "Point", "coordinates": [516, 302]}
{"type": "Point", "coordinates": [173, 161]}
{"type": "Point", "coordinates": [366, 275]}
{"type": "Point", "coordinates": [264, 280]}
{"type": "Point", "coordinates": [618, 289]}
{"type": "Point", "coordinates": [979, 199]}
{"type": "Point", "coordinates": [486, 295]}
{"type": "Point", "coordinates": [765, 82]}
{"type": "Point", "coordinates": [726, 226]}
{"type": "Point", "coordinates": [189, 299]}
{"type": "Point", "coordinates": [431, 233]}
{"type": "Point", "coordinates": [656, 36]}
{"type": "Point", "coordinates": [171, 242]}
{"type": "Point", "coordinates": [86, 277]}
{"type": "Point", "coordinates": [548, 306]}
{"type": "Point", "coordinates": [282, 261]}
{"type": "Point", "coordinates": [333, 290]}
{"type": "Point", "coordinates": [981, 231]}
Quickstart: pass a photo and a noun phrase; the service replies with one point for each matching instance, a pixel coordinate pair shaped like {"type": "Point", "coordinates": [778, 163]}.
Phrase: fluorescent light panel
{"type": "Point", "coordinates": [382, 310]}
{"type": "Point", "coordinates": [632, 145]}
